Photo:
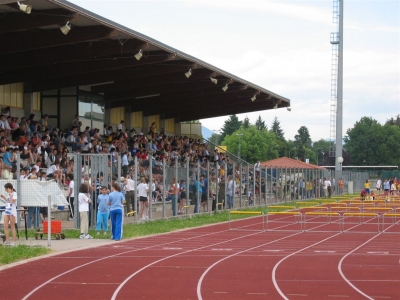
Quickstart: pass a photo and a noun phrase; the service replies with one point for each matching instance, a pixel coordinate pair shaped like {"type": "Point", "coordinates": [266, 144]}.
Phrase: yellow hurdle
{"type": "Point", "coordinates": [131, 213]}
{"type": "Point", "coordinates": [378, 208]}
{"type": "Point", "coordinates": [281, 206]}
{"type": "Point", "coordinates": [238, 212]}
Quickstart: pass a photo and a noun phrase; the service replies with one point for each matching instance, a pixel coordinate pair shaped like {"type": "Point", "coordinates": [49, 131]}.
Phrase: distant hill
{"type": "Point", "coordinates": [207, 133]}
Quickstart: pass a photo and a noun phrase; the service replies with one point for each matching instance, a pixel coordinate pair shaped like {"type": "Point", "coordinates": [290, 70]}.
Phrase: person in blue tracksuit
{"type": "Point", "coordinates": [116, 199]}
{"type": "Point", "coordinates": [103, 210]}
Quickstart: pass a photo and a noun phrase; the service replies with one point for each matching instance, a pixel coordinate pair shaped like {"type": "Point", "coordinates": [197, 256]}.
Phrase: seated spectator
{"type": "Point", "coordinates": [7, 173]}
{"type": "Point", "coordinates": [8, 157]}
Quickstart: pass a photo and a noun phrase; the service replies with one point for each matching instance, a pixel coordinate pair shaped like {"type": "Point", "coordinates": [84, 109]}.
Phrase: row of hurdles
{"type": "Point", "coordinates": [325, 219]}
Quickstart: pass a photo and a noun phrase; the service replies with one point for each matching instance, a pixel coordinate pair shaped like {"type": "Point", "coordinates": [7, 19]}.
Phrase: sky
{"type": "Point", "coordinates": [284, 47]}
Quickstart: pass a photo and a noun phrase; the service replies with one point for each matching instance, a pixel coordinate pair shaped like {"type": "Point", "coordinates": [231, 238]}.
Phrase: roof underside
{"type": "Point", "coordinates": [99, 53]}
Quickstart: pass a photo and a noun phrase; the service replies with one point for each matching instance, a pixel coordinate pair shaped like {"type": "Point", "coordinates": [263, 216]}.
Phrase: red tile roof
{"type": "Point", "coordinates": [285, 162]}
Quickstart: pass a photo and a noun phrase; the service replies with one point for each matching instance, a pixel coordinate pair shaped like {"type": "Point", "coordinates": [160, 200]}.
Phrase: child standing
{"type": "Point", "coordinates": [10, 213]}
{"type": "Point", "coordinates": [103, 210]}
{"type": "Point", "coordinates": [84, 201]}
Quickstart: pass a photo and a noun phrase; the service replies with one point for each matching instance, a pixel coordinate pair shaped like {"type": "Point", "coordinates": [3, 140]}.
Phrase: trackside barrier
{"type": "Point", "coordinates": [307, 203]}
{"type": "Point", "coordinates": [395, 218]}
{"type": "Point", "coordinates": [327, 201]}
{"type": "Point", "coordinates": [344, 208]}
{"type": "Point", "coordinates": [297, 220]}
{"type": "Point", "coordinates": [282, 206]}
{"type": "Point", "coordinates": [328, 216]}
{"type": "Point", "coordinates": [255, 213]}
{"type": "Point", "coordinates": [361, 216]}
{"type": "Point", "coordinates": [378, 209]}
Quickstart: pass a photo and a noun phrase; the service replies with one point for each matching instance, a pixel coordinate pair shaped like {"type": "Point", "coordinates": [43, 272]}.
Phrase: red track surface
{"type": "Point", "coordinates": [215, 263]}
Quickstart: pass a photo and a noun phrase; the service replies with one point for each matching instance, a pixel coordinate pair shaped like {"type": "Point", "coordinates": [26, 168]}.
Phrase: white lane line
{"type": "Point", "coordinates": [222, 249]}
{"type": "Point", "coordinates": [199, 296]}
{"type": "Point", "coordinates": [114, 296]}
{"type": "Point", "coordinates": [171, 248]}
{"type": "Point", "coordinates": [294, 253]}
{"type": "Point", "coordinates": [377, 252]}
{"type": "Point", "coordinates": [112, 256]}
{"type": "Point", "coordinates": [273, 250]}
{"type": "Point", "coordinates": [324, 251]}
{"type": "Point", "coordinates": [344, 257]}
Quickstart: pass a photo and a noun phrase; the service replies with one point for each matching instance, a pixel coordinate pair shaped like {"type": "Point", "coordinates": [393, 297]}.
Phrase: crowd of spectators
{"type": "Point", "coordinates": [44, 150]}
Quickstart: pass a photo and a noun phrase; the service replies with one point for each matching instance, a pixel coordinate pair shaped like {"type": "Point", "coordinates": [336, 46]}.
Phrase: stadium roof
{"type": "Point", "coordinates": [100, 53]}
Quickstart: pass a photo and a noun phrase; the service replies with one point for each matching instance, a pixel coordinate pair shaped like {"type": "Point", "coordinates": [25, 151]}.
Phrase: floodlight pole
{"type": "Point", "coordinates": [339, 108]}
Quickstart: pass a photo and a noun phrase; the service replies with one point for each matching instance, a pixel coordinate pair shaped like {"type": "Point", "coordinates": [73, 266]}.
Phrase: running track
{"type": "Point", "coordinates": [214, 263]}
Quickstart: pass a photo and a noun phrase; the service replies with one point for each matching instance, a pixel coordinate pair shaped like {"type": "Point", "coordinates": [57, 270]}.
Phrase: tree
{"type": "Point", "coordinates": [230, 126]}
{"type": "Point", "coordinates": [276, 128]}
{"type": "Point", "coordinates": [320, 147]}
{"type": "Point", "coordinates": [260, 123]}
{"type": "Point", "coordinates": [393, 121]}
{"type": "Point", "coordinates": [370, 143]}
{"type": "Point", "coordinates": [246, 123]}
{"type": "Point", "coordinates": [303, 138]}
{"type": "Point", "coordinates": [254, 144]}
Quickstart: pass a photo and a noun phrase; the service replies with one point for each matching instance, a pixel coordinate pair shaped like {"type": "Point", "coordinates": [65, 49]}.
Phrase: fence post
{"type": "Point", "coordinates": [49, 221]}
{"type": "Point", "coordinates": [164, 194]}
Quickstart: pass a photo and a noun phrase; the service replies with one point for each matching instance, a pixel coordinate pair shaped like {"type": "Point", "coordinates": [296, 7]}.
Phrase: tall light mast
{"type": "Point", "coordinates": [336, 105]}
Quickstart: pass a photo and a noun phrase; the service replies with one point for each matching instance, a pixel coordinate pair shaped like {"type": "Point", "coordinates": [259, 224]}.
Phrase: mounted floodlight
{"type": "Point", "coordinates": [188, 73]}
{"type": "Point", "coordinates": [25, 8]}
{"type": "Point", "coordinates": [214, 80]}
{"type": "Point", "coordinates": [139, 55]}
{"type": "Point", "coordinates": [225, 88]}
{"type": "Point", "coordinates": [66, 28]}
{"type": "Point", "coordinates": [289, 109]}
{"type": "Point", "coordinates": [276, 106]}
{"type": "Point", "coordinates": [253, 98]}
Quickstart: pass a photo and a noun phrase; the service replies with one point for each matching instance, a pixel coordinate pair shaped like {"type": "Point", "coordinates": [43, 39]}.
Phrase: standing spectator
{"type": "Point", "coordinates": [183, 197]}
{"type": "Point", "coordinates": [120, 125]}
{"type": "Point", "coordinates": [84, 201]}
{"type": "Point", "coordinates": [142, 191]}
{"type": "Point", "coordinates": [174, 195]}
{"type": "Point", "coordinates": [325, 187]}
{"type": "Point", "coordinates": [379, 185]}
{"type": "Point", "coordinates": [341, 186]}
{"type": "Point", "coordinates": [10, 213]}
{"type": "Point", "coordinates": [71, 196]}
{"type": "Point", "coordinates": [230, 191]}
{"type": "Point", "coordinates": [129, 187]}
{"type": "Point", "coordinates": [103, 211]}
{"type": "Point", "coordinates": [116, 200]}
{"type": "Point", "coordinates": [367, 186]}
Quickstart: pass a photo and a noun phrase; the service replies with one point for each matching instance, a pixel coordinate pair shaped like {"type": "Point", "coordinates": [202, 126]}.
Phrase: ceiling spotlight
{"type": "Point", "coordinates": [188, 73]}
{"type": "Point", "coordinates": [214, 80]}
{"type": "Point", "coordinates": [289, 109]}
{"type": "Point", "coordinates": [276, 106]}
{"type": "Point", "coordinates": [25, 8]}
{"type": "Point", "coordinates": [139, 55]}
{"type": "Point", "coordinates": [225, 88]}
{"type": "Point", "coordinates": [66, 28]}
{"type": "Point", "coordinates": [253, 98]}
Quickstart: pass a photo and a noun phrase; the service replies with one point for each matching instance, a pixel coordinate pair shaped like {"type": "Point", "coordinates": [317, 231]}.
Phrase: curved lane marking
{"type": "Point", "coordinates": [276, 266]}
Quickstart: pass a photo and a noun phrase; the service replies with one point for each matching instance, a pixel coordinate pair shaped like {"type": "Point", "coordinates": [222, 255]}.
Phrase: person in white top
{"type": "Point", "coordinates": [129, 187]}
{"type": "Point", "coordinates": [143, 190]}
{"type": "Point", "coordinates": [84, 201]}
{"type": "Point", "coordinates": [379, 185]}
{"type": "Point", "coordinates": [10, 212]}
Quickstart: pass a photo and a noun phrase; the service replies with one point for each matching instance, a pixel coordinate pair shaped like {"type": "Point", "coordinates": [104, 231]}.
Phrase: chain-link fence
{"type": "Point", "coordinates": [177, 187]}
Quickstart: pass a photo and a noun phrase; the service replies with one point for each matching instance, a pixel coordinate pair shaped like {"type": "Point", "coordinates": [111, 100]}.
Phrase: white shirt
{"type": "Point", "coordinates": [142, 189]}
{"type": "Point", "coordinates": [83, 202]}
{"type": "Point", "coordinates": [71, 189]}
{"type": "Point", "coordinates": [129, 185]}
{"type": "Point", "coordinates": [51, 170]}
